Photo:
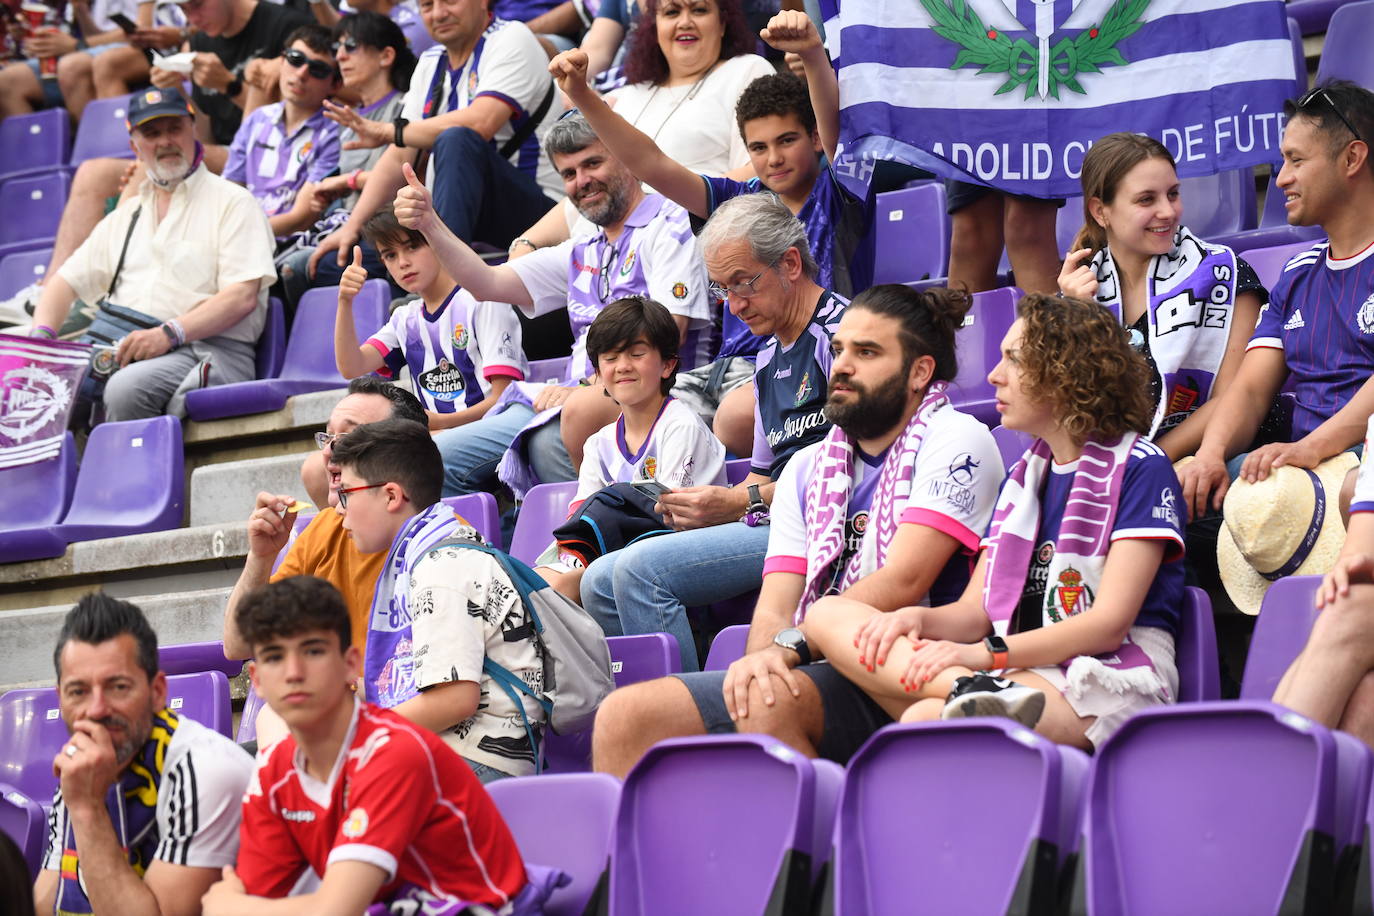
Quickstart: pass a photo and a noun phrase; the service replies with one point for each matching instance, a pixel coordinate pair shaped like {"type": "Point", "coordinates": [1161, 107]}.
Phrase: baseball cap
{"type": "Point", "coordinates": [147, 104]}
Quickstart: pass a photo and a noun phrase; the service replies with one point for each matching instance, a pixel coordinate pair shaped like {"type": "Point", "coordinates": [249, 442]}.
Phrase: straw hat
{"type": "Point", "coordinates": [1279, 527]}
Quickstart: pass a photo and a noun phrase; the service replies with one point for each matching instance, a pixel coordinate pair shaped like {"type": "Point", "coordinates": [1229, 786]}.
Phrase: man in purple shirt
{"type": "Point", "coordinates": [281, 150]}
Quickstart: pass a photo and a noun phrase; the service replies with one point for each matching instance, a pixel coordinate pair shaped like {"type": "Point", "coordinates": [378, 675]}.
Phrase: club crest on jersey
{"type": "Point", "coordinates": [1071, 596]}
{"type": "Point", "coordinates": [460, 336]}
{"type": "Point", "coordinates": [679, 290]}
{"type": "Point", "coordinates": [628, 264]}
{"type": "Point", "coordinates": [650, 466]}
{"type": "Point", "coordinates": [472, 82]}
{"type": "Point", "coordinates": [1365, 316]}
{"type": "Point", "coordinates": [356, 825]}
{"type": "Point", "coordinates": [304, 151]}
{"type": "Point", "coordinates": [803, 390]}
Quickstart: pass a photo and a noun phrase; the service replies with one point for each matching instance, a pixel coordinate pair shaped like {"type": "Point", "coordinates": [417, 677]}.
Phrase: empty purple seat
{"type": "Point", "coordinates": [1199, 674]}
{"type": "Point", "coordinates": [1214, 205]}
{"type": "Point", "coordinates": [1269, 262]}
{"type": "Point", "coordinates": [912, 234]}
{"type": "Point", "coordinates": [203, 696]}
{"type": "Point", "coordinates": [1012, 444]}
{"type": "Point", "coordinates": [727, 647]}
{"type": "Point", "coordinates": [1211, 808]}
{"type": "Point", "coordinates": [26, 524]}
{"type": "Point", "coordinates": [248, 718]}
{"type": "Point", "coordinates": [22, 268]}
{"type": "Point", "coordinates": [719, 824]}
{"type": "Point", "coordinates": [308, 362]}
{"type": "Point", "coordinates": [148, 493]}
{"type": "Point", "coordinates": [190, 657]}
{"type": "Point", "coordinates": [1281, 630]}
{"type": "Point", "coordinates": [101, 132]}
{"type": "Point", "coordinates": [1314, 16]}
{"type": "Point", "coordinates": [562, 821]}
{"type": "Point", "coordinates": [272, 342]}
{"type": "Point", "coordinates": [1345, 52]}
{"type": "Point", "coordinates": [736, 469]}
{"type": "Point", "coordinates": [544, 508]}
{"type": "Point", "coordinates": [549, 370]}
{"type": "Point", "coordinates": [32, 207]}
{"type": "Point", "coordinates": [480, 511]}
{"type": "Point", "coordinates": [971, 850]}
{"type": "Point", "coordinates": [34, 142]}
{"type": "Point", "coordinates": [979, 344]}
{"type": "Point", "coordinates": [22, 819]}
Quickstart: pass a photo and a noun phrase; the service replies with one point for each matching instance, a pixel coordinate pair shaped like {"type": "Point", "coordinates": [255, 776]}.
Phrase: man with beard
{"type": "Point", "coordinates": [890, 506]}
{"type": "Point", "coordinates": [645, 247]}
{"type": "Point", "coordinates": [148, 803]}
{"type": "Point", "coordinates": [181, 271]}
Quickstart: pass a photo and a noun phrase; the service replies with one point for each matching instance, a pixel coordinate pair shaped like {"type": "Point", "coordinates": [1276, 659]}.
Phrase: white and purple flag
{"type": "Point", "coordinates": [38, 384]}
{"type": "Point", "coordinates": [1011, 93]}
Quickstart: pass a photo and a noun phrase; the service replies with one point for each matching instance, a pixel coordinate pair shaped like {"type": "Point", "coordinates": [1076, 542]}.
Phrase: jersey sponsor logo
{"type": "Point", "coordinates": [1165, 511]}
{"type": "Point", "coordinates": [300, 817]}
{"type": "Point", "coordinates": [444, 382]}
{"type": "Point", "coordinates": [1071, 596]}
{"type": "Point", "coordinates": [356, 824]}
{"type": "Point", "coordinates": [460, 336]}
{"type": "Point", "coordinates": [804, 390]}
{"type": "Point", "coordinates": [961, 469]}
{"type": "Point", "coordinates": [507, 346]}
{"type": "Point", "coordinates": [782, 373]}
{"type": "Point", "coordinates": [794, 427]}
{"type": "Point", "coordinates": [1294, 321]}
{"type": "Point", "coordinates": [1365, 316]}
{"type": "Point", "coordinates": [679, 290]}
{"type": "Point", "coordinates": [960, 497]}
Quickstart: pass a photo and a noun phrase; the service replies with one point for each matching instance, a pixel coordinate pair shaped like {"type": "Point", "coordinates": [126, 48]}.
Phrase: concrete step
{"type": "Point", "coordinates": [224, 492]}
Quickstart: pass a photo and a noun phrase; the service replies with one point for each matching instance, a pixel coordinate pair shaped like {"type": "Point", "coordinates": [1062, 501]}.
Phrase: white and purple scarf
{"type": "Point", "coordinates": [827, 501]}
{"type": "Point", "coordinates": [1080, 553]}
{"type": "Point", "coordinates": [1191, 301]}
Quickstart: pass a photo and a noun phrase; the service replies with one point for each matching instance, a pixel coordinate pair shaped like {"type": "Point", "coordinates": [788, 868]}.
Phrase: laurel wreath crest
{"type": "Point", "coordinates": [994, 52]}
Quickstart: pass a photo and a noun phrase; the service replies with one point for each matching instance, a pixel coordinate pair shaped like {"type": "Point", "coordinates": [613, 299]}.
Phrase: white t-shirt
{"type": "Point", "coordinates": [680, 451]}
{"type": "Point", "coordinates": [695, 124]}
{"type": "Point", "coordinates": [507, 64]}
{"type": "Point", "coordinates": [1363, 500]}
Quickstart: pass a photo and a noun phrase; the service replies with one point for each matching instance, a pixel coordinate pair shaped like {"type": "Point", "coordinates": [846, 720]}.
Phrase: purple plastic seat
{"type": "Point", "coordinates": [1269, 262]}
{"type": "Point", "coordinates": [1285, 620]}
{"type": "Point", "coordinates": [544, 508]}
{"type": "Point", "coordinates": [190, 657]}
{"type": "Point", "coordinates": [1314, 16]}
{"type": "Point", "coordinates": [480, 511]}
{"type": "Point", "coordinates": [736, 469]}
{"type": "Point", "coordinates": [272, 344]}
{"type": "Point", "coordinates": [248, 718]}
{"type": "Point", "coordinates": [912, 232]}
{"type": "Point", "coordinates": [101, 132]}
{"type": "Point", "coordinates": [148, 493]}
{"type": "Point", "coordinates": [1345, 52]}
{"type": "Point", "coordinates": [22, 819]}
{"type": "Point", "coordinates": [1211, 808]}
{"type": "Point", "coordinates": [980, 851]}
{"type": "Point", "coordinates": [1199, 674]}
{"type": "Point", "coordinates": [1012, 444]}
{"type": "Point", "coordinates": [562, 821]}
{"type": "Point", "coordinates": [32, 730]}
{"type": "Point", "coordinates": [641, 657]}
{"type": "Point", "coordinates": [34, 142]}
{"type": "Point", "coordinates": [308, 362]}
{"type": "Point", "coordinates": [32, 208]}
{"type": "Point", "coordinates": [1214, 205]}
{"type": "Point", "coordinates": [979, 344]}
{"type": "Point", "coordinates": [22, 268]}
{"type": "Point", "coordinates": [26, 524]}
{"type": "Point", "coordinates": [727, 647]}
{"type": "Point", "coordinates": [549, 370]}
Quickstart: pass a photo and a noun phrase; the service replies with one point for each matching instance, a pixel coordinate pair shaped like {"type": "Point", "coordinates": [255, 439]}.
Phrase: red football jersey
{"type": "Point", "coordinates": [398, 797]}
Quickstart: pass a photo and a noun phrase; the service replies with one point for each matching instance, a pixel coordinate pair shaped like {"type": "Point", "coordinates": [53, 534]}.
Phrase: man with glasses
{"type": "Point", "coordinates": [1317, 332]}
{"type": "Point", "coordinates": [644, 247]}
{"type": "Point", "coordinates": [283, 149]}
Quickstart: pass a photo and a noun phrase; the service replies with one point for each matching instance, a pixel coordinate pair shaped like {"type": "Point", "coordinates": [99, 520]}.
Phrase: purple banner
{"type": "Point", "coordinates": [38, 384]}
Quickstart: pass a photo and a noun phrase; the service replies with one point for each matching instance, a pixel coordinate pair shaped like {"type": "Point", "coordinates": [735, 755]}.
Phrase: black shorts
{"type": "Point", "coordinates": [959, 194]}
{"type": "Point", "coordinates": [848, 714]}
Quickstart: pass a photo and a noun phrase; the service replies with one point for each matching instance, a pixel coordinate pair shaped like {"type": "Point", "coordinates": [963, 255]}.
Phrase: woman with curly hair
{"type": "Point", "coordinates": [1068, 622]}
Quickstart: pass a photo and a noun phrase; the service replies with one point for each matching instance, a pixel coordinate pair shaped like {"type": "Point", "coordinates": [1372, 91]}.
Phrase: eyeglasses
{"type": "Point", "coordinates": [324, 440]}
{"type": "Point", "coordinates": [343, 492]}
{"type": "Point", "coordinates": [609, 253]}
{"type": "Point", "coordinates": [349, 44]}
{"type": "Point", "coordinates": [1323, 95]}
{"type": "Point", "coordinates": [744, 289]}
{"type": "Point", "coordinates": [317, 68]}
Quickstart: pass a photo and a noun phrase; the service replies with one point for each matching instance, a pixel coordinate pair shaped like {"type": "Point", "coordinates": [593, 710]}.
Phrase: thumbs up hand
{"type": "Point", "coordinates": [414, 206]}
{"type": "Point", "coordinates": [354, 276]}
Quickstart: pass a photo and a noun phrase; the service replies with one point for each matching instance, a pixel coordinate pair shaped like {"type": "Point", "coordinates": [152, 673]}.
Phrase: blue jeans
{"type": "Point", "coordinates": [647, 587]}
{"type": "Point", "coordinates": [486, 774]}
{"type": "Point", "coordinates": [479, 195]}
{"type": "Point", "coordinates": [471, 452]}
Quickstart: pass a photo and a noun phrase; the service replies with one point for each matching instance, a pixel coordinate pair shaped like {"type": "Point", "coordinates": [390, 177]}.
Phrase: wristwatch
{"type": "Point", "coordinates": [998, 647]}
{"type": "Point", "coordinates": [234, 88]}
{"type": "Point", "coordinates": [171, 335]}
{"type": "Point", "coordinates": [400, 124]}
{"type": "Point", "coordinates": [757, 513]}
{"type": "Point", "coordinates": [794, 639]}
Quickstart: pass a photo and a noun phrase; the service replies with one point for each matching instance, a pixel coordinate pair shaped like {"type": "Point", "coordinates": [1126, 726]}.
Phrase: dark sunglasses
{"type": "Point", "coordinates": [349, 44]}
{"type": "Point", "coordinates": [316, 68]}
{"type": "Point", "coordinates": [1320, 94]}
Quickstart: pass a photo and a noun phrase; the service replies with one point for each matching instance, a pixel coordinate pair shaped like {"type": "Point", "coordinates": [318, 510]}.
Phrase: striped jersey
{"type": "Point", "coordinates": [1321, 315]}
{"type": "Point", "coordinates": [680, 451]}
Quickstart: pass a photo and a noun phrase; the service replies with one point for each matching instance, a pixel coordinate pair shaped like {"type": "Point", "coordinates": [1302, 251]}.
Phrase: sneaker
{"type": "Point", "coordinates": [985, 695]}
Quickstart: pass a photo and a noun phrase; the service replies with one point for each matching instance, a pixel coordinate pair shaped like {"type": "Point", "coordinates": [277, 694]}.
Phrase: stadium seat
{"type": "Point", "coordinates": [641, 657]}
{"type": "Point", "coordinates": [736, 469]}
{"type": "Point", "coordinates": [979, 344]}
{"type": "Point", "coordinates": [728, 646]}
{"type": "Point", "coordinates": [1314, 16]}
{"type": "Point", "coordinates": [34, 143]}
{"type": "Point", "coordinates": [1268, 262]}
{"type": "Point", "coordinates": [562, 821]}
{"type": "Point", "coordinates": [1199, 674]}
{"type": "Point", "coordinates": [907, 843]}
{"type": "Point", "coordinates": [188, 658]}
{"type": "Point", "coordinates": [1012, 444]}
{"type": "Point", "coordinates": [272, 343]}
{"type": "Point", "coordinates": [308, 363]}
{"type": "Point", "coordinates": [549, 370]}
{"type": "Point", "coordinates": [21, 818]}
{"type": "Point", "coordinates": [26, 524]}
{"type": "Point", "coordinates": [912, 235]}
{"type": "Point", "coordinates": [544, 508]}
{"type": "Point", "coordinates": [32, 730]}
{"type": "Point", "coordinates": [1214, 205]}
{"type": "Point", "coordinates": [22, 268]}
{"type": "Point", "coordinates": [480, 511]}
{"type": "Point", "coordinates": [32, 208]}
{"type": "Point", "coordinates": [248, 718]}
{"type": "Point", "coordinates": [101, 132]}
{"type": "Point", "coordinates": [1345, 52]}
{"type": "Point", "coordinates": [302, 519]}
{"type": "Point", "coordinates": [1211, 808]}
{"type": "Point", "coordinates": [721, 824]}
{"type": "Point", "coordinates": [148, 493]}
{"type": "Point", "coordinates": [1285, 620]}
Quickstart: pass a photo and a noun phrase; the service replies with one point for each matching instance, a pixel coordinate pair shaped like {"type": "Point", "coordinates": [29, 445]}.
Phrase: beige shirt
{"type": "Point", "coordinates": [214, 235]}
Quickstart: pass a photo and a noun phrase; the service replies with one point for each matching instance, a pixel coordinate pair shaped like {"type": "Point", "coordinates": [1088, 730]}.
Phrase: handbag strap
{"type": "Point", "coordinates": [124, 249]}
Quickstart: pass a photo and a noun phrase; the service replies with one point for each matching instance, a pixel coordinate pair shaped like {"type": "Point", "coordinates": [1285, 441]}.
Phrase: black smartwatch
{"type": "Point", "coordinates": [234, 88]}
{"type": "Point", "coordinates": [400, 123]}
{"type": "Point", "coordinates": [792, 638]}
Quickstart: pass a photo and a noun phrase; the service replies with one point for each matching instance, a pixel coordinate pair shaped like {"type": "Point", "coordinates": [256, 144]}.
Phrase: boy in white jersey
{"type": "Point", "coordinates": [633, 347]}
{"type": "Point", "coordinates": [461, 353]}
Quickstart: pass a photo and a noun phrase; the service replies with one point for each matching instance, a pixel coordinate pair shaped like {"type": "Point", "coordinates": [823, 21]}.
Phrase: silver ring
{"type": "Point", "coordinates": [69, 750]}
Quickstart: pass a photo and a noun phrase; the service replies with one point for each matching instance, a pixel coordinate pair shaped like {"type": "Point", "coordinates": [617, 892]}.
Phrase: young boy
{"type": "Point", "coordinates": [377, 807]}
{"type": "Point", "coordinates": [461, 353]}
{"type": "Point", "coordinates": [633, 346]}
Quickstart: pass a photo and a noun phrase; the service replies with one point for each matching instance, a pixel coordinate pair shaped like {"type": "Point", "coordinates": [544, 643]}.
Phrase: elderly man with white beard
{"type": "Point", "coordinates": [179, 273]}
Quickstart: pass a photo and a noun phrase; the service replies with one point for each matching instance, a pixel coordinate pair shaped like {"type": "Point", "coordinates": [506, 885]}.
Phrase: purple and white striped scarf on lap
{"type": "Point", "coordinates": [827, 501]}
{"type": "Point", "coordinates": [1080, 553]}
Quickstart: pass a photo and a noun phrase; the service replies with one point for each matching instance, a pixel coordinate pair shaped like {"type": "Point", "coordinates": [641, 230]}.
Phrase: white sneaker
{"type": "Point", "coordinates": [13, 310]}
{"type": "Point", "coordinates": [985, 695]}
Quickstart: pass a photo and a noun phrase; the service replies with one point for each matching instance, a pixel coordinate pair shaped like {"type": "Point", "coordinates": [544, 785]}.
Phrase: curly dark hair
{"type": "Point", "coordinates": [291, 607]}
{"type": "Point", "coordinates": [644, 61]}
{"type": "Point", "coordinates": [1075, 356]}
{"type": "Point", "coordinates": [779, 94]}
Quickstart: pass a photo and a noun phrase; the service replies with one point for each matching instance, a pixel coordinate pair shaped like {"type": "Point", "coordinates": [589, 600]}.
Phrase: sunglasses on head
{"type": "Point", "coordinates": [1321, 95]}
{"type": "Point", "coordinates": [319, 69]}
{"type": "Point", "coordinates": [348, 43]}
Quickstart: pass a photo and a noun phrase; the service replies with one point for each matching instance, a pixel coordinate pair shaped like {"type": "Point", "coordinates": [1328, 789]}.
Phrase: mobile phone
{"type": "Point", "coordinates": [650, 487]}
{"type": "Point", "coordinates": [126, 25]}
